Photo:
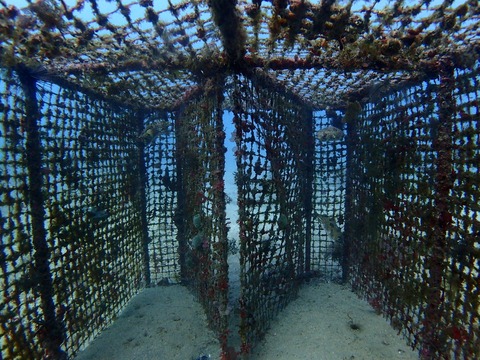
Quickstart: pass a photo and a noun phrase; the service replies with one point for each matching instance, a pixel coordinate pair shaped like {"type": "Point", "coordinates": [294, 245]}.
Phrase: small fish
{"type": "Point", "coordinates": [152, 131]}
{"type": "Point", "coordinates": [198, 241]}
{"type": "Point", "coordinates": [376, 90]}
{"type": "Point", "coordinates": [352, 112]}
{"type": "Point", "coordinates": [197, 221]}
{"type": "Point", "coordinates": [203, 357]}
{"type": "Point", "coordinates": [330, 226]}
{"type": "Point", "coordinates": [95, 213]}
{"type": "Point", "coordinates": [330, 133]}
{"type": "Point", "coordinates": [282, 222]}
{"type": "Point", "coordinates": [336, 248]}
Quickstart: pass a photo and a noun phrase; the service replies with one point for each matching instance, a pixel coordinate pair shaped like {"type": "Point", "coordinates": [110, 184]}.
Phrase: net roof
{"type": "Point", "coordinates": [154, 54]}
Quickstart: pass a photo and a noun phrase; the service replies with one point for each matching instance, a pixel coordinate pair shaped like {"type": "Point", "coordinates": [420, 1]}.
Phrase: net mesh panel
{"type": "Point", "coordinates": [19, 302]}
{"type": "Point", "coordinates": [413, 226]}
{"type": "Point", "coordinates": [306, 46]}
{"type": "Point", "coordinates": [161, 195]}
{"type": "Point", "coordinates": [92, 205]}
{"type": "Point", "coordinates": [272, 138]}
{"type": "Point", "coordinates": [463, 268]}
{"type": "Point", "coordinates": [93, 229]}
{"type": "Point", "coordinates": [328, 216]}
{"type": "Point", "coordinates": [83, 177]}
{"type": "Point", "coordinates": [201, 218]}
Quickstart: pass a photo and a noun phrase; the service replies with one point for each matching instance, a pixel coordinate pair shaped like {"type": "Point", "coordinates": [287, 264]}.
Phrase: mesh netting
{"type": "Point", "coordinates": [92, 208]}
{"type": "Point", "coordinates": [326, 254]}
{"type": "Point", "coordinates": [160, 164]}
{"type": "Point", "coordinates": [273, 137]}
{"type": "Point", "coordinates": [357, 133]}
{"type": "Point", "coordinates": [19, 303]}
{"type": "Point", "coordinates": [413, 226]}
{"type": "Point", "coordinates": [201, 218]}
{"type": "Point", "coordinates": [137, 51]}
{"type": "Point", "coordinates": [78, 214]}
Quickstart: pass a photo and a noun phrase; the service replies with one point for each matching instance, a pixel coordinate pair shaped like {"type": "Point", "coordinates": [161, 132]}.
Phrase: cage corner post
{"type": "Point", "coordinates": [220, 254]}
{"type": "Point", "coordinates": [50, 332]}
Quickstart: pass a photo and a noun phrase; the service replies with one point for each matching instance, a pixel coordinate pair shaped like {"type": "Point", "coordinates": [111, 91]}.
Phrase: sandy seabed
{"type": "Point", "coordinates": [167, 323]}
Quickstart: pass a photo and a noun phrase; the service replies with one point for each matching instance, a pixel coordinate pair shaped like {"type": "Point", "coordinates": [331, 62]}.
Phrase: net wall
{"type": "Point", "coordinates": [159, 143]}
{"type": "Point", "coordinates": [98, 200]}
{"type": "Point", "coordinates": [20, 312]}
{"type": "Point", "coordinates": [200, 214]}
{"type": "Point", "coordinates": [413, 212]}
{"type": "Point", "coordinates": [72, 253]}
{"type": "Point", "coordinates": [273, 137]}
{"type": "Point", "coordinates": [328, 215]}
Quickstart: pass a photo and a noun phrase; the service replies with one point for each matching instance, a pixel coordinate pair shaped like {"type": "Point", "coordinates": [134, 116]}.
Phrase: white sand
{"type": "Point", "coordinates": [317, 326]}
{"type": "Point", "coordinates": [167, 323]}
{"type": "Point", "coordinates": [161, 323]}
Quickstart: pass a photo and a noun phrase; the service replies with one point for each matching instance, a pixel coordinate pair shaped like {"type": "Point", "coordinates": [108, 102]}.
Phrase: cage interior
{"type": "Point", "coordinates": [357, 134]}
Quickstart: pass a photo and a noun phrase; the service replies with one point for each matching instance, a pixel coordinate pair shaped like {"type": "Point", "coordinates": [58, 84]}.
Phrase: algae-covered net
{"type": "Point", "coordinates": [357, 139]}
{"type": "Point", "coordinates": [135, 51]}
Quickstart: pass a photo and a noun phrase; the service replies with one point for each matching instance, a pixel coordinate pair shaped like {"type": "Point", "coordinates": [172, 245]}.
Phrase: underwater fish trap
{"type": "Point", "coordinates": [357, 137]}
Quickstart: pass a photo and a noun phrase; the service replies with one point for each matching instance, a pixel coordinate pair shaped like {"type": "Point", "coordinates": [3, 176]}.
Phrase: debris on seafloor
{"type": "Point", "coordinates": [330, 133]}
